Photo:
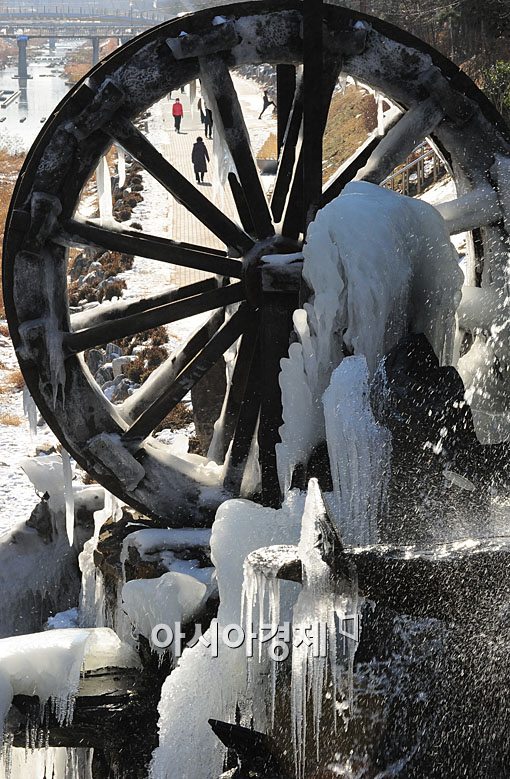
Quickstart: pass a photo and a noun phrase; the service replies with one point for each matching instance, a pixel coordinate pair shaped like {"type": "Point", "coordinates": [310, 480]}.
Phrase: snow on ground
{"type": "Point", "coordinates": [17, 494]}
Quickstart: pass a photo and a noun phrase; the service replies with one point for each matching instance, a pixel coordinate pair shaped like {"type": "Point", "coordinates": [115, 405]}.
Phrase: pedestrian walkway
{"type": "Point", "coordinates": [180, 224]}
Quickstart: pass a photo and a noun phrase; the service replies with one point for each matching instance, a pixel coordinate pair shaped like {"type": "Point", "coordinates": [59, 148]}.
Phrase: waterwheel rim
{"type": "Point", "coordinates": [437, 100]}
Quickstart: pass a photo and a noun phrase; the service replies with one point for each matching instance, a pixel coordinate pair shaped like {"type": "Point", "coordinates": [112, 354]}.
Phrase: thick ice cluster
{"type": "Point", "coordinates": [379, 265]}
{"type": "Point", "coordinates": [48, 665]}
{"type": "Point", "coordinates": [171, 599]}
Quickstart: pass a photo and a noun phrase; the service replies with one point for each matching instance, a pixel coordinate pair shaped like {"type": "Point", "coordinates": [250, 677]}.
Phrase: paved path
{"type": "Point", "coordinates": [179, 223]}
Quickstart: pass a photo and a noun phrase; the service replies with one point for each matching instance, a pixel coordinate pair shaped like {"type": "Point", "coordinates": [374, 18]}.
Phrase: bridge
{"type": "Point", "coordinates": [23, 24]}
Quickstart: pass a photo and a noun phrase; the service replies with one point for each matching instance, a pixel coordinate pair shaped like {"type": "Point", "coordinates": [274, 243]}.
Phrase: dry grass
{"type": "Point", "coordinates": [10, 419]}
{"type": "Point", "coordinates": [13, 382]}
{"type": "Point", "coordinates": [352, 116]}
{"type": "Point", "coordinates": [269, 150]}
{"type": "Point", "coordinates": [9, 168]}
{"type": "Point", "coordinates": [82, 59]}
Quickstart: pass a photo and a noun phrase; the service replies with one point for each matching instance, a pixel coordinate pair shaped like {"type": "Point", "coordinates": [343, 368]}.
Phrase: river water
{"type": "Point", "coordinates": [24, 117]}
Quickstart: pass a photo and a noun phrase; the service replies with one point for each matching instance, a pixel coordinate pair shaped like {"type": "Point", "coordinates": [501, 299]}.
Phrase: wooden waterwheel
{"type": "Point", "coordinates": [311, 45]}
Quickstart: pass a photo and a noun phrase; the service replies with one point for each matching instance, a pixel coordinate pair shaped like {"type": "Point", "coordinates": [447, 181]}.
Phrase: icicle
{"type": "Point", "coordinates": [92, 595]}
{"type": "Point", "coordinates": [67, 474]}
{"type": "Point", "coordinates": [30, 411]}
{"type": "Point", "coordinates": [359, 452]}
{"type": "Point", "coordinates": [104, 192]}
{"type": "Point", "coordinates": [319, 607]}
{"type": "Point", "coordinates": [121, 165]}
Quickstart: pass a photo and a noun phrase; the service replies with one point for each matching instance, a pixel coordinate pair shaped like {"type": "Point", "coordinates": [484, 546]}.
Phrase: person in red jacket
{"type": "Point", "coordinates": [177, 112]}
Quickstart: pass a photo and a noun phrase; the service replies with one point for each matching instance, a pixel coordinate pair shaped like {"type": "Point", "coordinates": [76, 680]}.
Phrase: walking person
{"type": "Point", "coordinates": [199, 158]}
{"type": "Point", "coordinates": [177, 113]}
{"type": "Point", "coordinates": [208, 122]}
{"type": "Point", "coordinates": [266, 103]}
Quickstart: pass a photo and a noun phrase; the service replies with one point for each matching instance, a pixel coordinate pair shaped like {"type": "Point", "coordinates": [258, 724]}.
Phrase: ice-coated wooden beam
{"type": "Point", "coordinates": [76, 233]}
{"type": "Point", "coordinates": [107, 312]}
{"type": "Point", "coordinates": [218, 38]}
{"type": "Point", "coordinates": [474, 209]}
{"type": "Point", "coordinates": [420, 121]}
{"type": "Point", "coordinates": [192, 373]}
{"type": "Point", "coordinates": [146, 320]}
{"type": "Point", "coordinates": [166, 373]}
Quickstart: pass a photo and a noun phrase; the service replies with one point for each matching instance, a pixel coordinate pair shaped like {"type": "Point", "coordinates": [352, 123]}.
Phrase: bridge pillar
{"type": "Point", "coordinates": [52, 44]}
{"type": "Point", "coordinates": [95, 50]}
{"type": "Point", "coordinates": [22, 56]}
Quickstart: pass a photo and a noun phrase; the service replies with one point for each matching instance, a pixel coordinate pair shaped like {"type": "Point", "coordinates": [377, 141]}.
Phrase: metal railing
{"type": "Point", "coordinates": [423, 168]}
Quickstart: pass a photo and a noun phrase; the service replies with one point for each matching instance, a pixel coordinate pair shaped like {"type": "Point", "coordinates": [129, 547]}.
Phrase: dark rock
{"type": "Point", "coordinates": [104, 375]}
{"type": "Point", "coordinates": [122, 389]}
{"type": "Point", "coordinates": [256, 752]}
{"type": "Point", "coordinates": [41, 520]}
{"type": "Point", "coordinates": [94, 359]}
{"type": "Point", "coordinates": [423, 406]}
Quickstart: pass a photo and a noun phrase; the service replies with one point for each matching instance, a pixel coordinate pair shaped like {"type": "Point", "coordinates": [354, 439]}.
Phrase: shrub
{"type": "Point", "coordinates": [142, 366]}
{"type": "Point", "coordinates": [496, 85]}
{"type": "Point", "coordinates": [179, 418]}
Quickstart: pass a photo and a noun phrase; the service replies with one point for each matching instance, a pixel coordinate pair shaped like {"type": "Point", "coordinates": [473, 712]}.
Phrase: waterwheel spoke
{"type": "Point", "coordinates": [107, 312]}
{"type": "Point", "coordinates": [216, 79]}
{"type": "Point", "coordinates": [136, 144]}
{"type": "Point", "coordinates": [285, 94]}
{"type": "Point", "coordinates": [76, 233]}
{"type": "Point", "coordinates": [245, 428]}
{"type": "Point", "coordinates": [241, 203]}
{"type": "Point", "coordinates": [306, 187]}
{"type": "Point", "coordinates": [420, 121]}
{"type": "Point", "coordinates": [192, 373]}
{"type": "Point", "coordinates": [316, 100]}
{"type": "Point", "coordinates": [166, 373]}
{"type": "Point", "coordinates": [238, 386]}
{"type": "Point", "coordinates": [146, 320]}
{"type": "Point", "coordinates": [287, 158]}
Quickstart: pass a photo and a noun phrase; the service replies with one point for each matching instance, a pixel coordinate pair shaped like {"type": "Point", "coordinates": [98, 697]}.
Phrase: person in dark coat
{"type": "Point", "coordinates": [266, 103]}
{"type": "Point", "coordinates": [199, 158]}
{"type": "Point", "coordinates": [208, 122]}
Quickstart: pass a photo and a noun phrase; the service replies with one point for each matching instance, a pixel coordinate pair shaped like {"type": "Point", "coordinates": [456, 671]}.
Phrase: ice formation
{"type": "Point", "coordinates": [121, 166]}
{"type": "Point", "coordinates": [359, 452]}
{"type": "Point", "coordinates": [67, 477]}
{"type": "Point", "coordinates": [92, 598]}
{"type": "Point", "coordinates": [326, 608]}
{"type": "Point", "coordinates": [387, 267]}
{"type": "Point", "coordinates": [171, 599]}
{"type": "Point", "coordinates": [48, 665]}
{"type": "Point", "coordinates": [203, 685]}
{"type": "Point", "coordinates": [30, 411]}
